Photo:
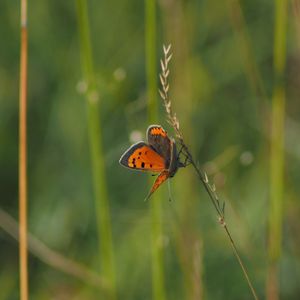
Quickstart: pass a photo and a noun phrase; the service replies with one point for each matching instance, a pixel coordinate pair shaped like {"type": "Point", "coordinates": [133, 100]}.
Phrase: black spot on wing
{"type": "Point", "coordinates": [124, 160]}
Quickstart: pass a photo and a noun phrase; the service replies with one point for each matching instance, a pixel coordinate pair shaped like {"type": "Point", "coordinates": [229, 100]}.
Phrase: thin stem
{"type": "Point", "coordinates": [207, 187]}
{"type": "Point", "coordinates": [236, 253]}
{"type": "Point", "coordinates": [23, 155]}
{"type": "Point", "coordinates": [210, 189]}
{"type": "Point", "coordinates": [215, 203]}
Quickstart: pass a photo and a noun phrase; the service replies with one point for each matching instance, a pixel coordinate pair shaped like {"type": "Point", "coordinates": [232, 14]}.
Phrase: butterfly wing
{"type": "Point", "coordinates": [159, 140]}
{"type": "Point", "coordinates": [161, 178]}
{"type": "Point", "coordinates": [141, 156]}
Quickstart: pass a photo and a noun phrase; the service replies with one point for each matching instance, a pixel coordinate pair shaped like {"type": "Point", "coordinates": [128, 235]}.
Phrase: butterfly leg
{"type": "Point", "coordinates": [180, 150]}
{"type": "Point", "coordinates": [187, 160]}
{"type": "Point", "coordinates": [169, 189]}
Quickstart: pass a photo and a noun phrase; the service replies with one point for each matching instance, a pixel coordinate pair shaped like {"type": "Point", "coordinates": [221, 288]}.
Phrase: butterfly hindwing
{"type": "Point", "coordinates": [141, 156]}
{"type": "Point", "coordinates": [162, 177]}
{"type": "Point", "coordinates": [159, 140]}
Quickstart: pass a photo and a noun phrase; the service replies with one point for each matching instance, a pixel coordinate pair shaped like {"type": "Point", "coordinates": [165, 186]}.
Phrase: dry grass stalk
{"type": "Point", "coordinates": [23, 155]}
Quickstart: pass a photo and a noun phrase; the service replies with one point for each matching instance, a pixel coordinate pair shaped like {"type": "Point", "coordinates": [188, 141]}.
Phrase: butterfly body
{"type": "Point", "coordinates": [159, 155]}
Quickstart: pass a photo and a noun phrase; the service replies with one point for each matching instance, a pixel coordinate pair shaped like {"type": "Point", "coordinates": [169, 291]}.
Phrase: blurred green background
{"type": "Point", "coordinates": [221, 85]}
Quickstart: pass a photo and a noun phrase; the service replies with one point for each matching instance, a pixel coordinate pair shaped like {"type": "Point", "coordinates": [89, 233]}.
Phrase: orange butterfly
{"type": "Point", "coordinates": [158, 156]}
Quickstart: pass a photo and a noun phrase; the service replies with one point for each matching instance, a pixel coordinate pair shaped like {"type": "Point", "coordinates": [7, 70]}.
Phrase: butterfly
{"type": "Point", "coordinates": [159, 155]}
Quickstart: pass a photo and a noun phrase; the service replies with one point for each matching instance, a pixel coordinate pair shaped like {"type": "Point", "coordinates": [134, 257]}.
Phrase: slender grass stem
{"type": "Point", "coordinates": [277, 151]}
{"type": "Point", "coordinates": [95, 141]}
{"type": "Point", "coordinates": [23, 155]}
{"type": "Point", "coordinates": [220, 211]}
{"type": "Point", "coordinates": [210, 188]}
{"type": "Point", "coordinates": [158, 284]}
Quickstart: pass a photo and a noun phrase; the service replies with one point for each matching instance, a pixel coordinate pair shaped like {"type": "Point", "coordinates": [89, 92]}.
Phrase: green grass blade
{"type": "Point", "coordinates": [95, 141]}
{"type": "Point", "coordinates": [277, 151]}
{"type": "Point", "coordinates": [158, 283]}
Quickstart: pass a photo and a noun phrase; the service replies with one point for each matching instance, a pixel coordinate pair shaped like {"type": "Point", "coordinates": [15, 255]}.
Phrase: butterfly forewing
{"type": "Point", "coordinates": [141, 156]}
{"type": "Point", "coordinates": [159, 140]}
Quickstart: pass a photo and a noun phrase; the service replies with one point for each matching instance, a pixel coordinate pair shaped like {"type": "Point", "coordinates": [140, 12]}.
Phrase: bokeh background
{"type": "Point", "coordinates": [222, 86]}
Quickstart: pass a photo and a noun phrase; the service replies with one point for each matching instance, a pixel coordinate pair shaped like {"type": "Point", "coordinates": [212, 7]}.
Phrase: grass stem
{"type": "Point", "coordinates": [277, 151]}
{"type": "Point", "coordinates": [23, 154]}
{"type": "Point", "coordinates": [158, 284]}
{"type": "Point", "coordinates": [210, 188]}
{"type": "Point", "coordinates": [95, 141]}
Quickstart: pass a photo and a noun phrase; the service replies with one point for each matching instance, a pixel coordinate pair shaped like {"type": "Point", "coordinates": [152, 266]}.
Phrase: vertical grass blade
{"type": "Point", "coordinates": [151, 60]}
{"type": "Point", "coordinates": [95, 141]}
{"type": "Point", "coordinates": [23, 155]}
{"type": "Point", "coordinates": [245, 47]}
{"type": "Point", "coordinates": [277, 152]}
{"type": "Point", "coordinates": [158, 284]}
